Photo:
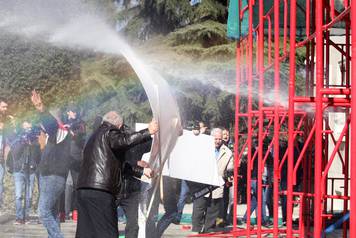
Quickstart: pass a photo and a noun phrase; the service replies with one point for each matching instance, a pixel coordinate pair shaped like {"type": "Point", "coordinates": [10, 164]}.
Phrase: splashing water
{"type": "Point", "coordinates": [77, 25]}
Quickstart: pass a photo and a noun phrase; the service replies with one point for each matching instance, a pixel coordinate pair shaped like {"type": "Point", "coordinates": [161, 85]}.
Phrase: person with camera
{"type": "Point", "coordinates": [22, 162]}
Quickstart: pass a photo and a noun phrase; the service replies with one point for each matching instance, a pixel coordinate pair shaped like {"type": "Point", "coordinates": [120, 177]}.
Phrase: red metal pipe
{"type": "Point", "coordinates": [285, 27]}
{"type": "Point", "coordinates": [236, 144]}
{"type": "Point", "coordinates": [269, 39]}
{"type": "Point", "coordinates": [332, 156]}
{"type": "Point", "coordinates": [353, 127]}
{"type": "Point", "coordinates": [337, 19]}
{"type": "Point", "coordinates": [260, 60]}
{"type": "Point", "coordinates": [332, 9]}
{"type": "Point", "coordinates": [301, 155]}
{"type": "Point", "coordinates": [324, 100]}
{"type": "Point", "coordinates": [307, 20]}
{"type": "Point", "coordinates": [347, 137]}
{"type": "Point", "coordinates": [318, 117]}
{"type": "Point", "coordinates": [249, 109]}
{"type": "Point", "coordinates": [290, 152]}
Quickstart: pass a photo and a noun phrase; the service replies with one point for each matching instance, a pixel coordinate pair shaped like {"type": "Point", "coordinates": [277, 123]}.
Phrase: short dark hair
{"type": "Point", "coordinates": [2, 99]}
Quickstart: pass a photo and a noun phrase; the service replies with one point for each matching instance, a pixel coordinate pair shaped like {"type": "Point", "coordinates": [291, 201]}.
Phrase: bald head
{"type": "Point", "coordinates": [113, 118]}
{"type": "Point", "coordinates": [217, 134]}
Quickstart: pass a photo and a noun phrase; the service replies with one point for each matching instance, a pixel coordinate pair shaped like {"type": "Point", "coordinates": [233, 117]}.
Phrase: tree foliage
{"type": "Point", "coordinates": [26, 65]}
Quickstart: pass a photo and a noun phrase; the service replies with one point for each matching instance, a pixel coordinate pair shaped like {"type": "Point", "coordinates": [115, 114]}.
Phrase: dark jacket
{"type": "Point", "coordinates": [131, 169]}
{"type": "Point", "coordinates": [101, 168]}
{"type": "Point", "coordinates": [7, 135]}
{"type": "Point", "coordinates": [78, 133]}
{"type": "Point", "coordinates": [56, 157]}
{"type": "Point", "coordinates": [24, 156]}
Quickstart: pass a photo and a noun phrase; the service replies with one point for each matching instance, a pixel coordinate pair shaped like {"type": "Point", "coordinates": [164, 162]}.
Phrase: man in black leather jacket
{"type": "Point", "coordinates": [101, 173]}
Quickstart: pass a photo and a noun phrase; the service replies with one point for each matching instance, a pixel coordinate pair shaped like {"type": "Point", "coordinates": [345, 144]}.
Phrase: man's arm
{"type": "Point", "coordinates": [48, 121]}
{"type": "Point", "coordinates": [119, 140]}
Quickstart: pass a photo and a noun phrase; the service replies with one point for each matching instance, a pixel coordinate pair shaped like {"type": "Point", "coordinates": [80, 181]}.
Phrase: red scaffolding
{"type": "Point", "coordinates": [275, 38]}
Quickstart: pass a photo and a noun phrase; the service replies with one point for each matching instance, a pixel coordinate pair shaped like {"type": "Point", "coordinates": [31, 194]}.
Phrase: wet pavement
{"type": "Point", "coordinates": [35, 230]}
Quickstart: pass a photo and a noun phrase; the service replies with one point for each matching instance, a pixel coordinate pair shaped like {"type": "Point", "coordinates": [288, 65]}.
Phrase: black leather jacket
{"type": "Point", "coordinates": [101, 169]}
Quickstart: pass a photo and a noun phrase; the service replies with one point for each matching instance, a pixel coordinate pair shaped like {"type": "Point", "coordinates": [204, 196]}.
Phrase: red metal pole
{"type": "Point", "coordinates": [249, 110]}
{"type": "Point", "coordinates": [260, 116]}
{"type": "Point", "coordinates": [292, 72]}
{"type": "Point", "coordinates": [347, 138]}
{"type": "Point", "coordinates": [353, 126]}
{"type": "Point", "coordinates": [236, 145]}
{"type": "Point", "coordinates": [318, 117]}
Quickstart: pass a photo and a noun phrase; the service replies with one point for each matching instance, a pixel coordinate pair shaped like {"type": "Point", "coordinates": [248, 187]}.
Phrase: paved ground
{"type": "Point", "coordinates": [8, 230]}
{"type": "Point", "coordinates": [34, 230]}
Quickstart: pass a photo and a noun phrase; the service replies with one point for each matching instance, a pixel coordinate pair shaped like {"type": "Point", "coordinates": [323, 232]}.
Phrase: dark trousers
{"type": "Point", "coordinates": [170, 198]}
{"type": "Point", "coordinates": [130, 207]}
{"type": "Point", "coordinates": [284, 200]}
{"type": "Point", "coordinates": [97, 216]}
{"type": "Point", "coordinates": [205, 212]}
{"type": "Point", "coordinates": [226, 199]}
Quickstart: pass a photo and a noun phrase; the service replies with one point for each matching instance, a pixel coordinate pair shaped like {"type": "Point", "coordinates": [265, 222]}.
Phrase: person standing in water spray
{"type": "Point", "coordinates": [53, 168]}
{"type": "Point", "coordinates": [3, 110]}
{"type": "Point", "coordinates": [101, 173]}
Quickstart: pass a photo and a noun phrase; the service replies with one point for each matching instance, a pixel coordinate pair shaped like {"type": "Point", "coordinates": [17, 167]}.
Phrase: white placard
{"type": "Point", "coordinates": [193, 159]}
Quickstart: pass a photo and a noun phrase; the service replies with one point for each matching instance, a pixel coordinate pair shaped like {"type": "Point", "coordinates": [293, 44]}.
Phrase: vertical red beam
{"type": "Point", "coordinates": [249, 113]}
{"type": "Point", "coordinates": [318, 117]}
{"type": "Point", "coordinates": [307, 16]}
{"type": "Point", "coordinates": [260, 115]}
{"type": "Point", "coordinates": [292, 72]}
{"type": "Point", "coordinates": [325, 146]}
{"type": "Point", "coordinates": [285, 27]}
{"type": "Point", "coordinates": [236, 145]}
{"type": "Point", "coordinates": [276, 119]}
{"type": "Point", "coordinates": [347, 137]}
{"type": "Point", "coordinates": [269, 39]}
{"type": "Point", "coordinates": [353, 125]}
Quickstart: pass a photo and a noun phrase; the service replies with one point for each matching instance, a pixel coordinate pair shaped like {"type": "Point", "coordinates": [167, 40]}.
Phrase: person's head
{"type": "Point", "coordinates": [113, 118]}
{"type": "Point", "coordinates": [225, 135]}
{"type": "Point", "coordinates": [195, 128]}
{"type": "Point", "coordinates": [217, 134]}
{"type": "Point", "coordinates": [26, 126]}
{"type": "Point", "coordinates": [97, 122]}
{"type": "Point", "coordinates": [72, 112]}
{"type": "Point", "coordinates": [3, 106]}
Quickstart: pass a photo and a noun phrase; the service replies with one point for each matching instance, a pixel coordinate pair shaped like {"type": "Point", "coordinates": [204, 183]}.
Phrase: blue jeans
{"type": "Point", "coordinates": [254, 202]}
{"type": "Point", "coordinates": [51, 188]}
{"type": "Point", "coordinates": [20, 180]}
{"type": "Point", "coordinates": [184, 191]}
{"type": "Point", "coordinates": [2, 174]}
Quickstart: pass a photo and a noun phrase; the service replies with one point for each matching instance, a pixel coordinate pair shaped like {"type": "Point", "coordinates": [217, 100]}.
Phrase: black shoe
{"type": "Point", "coordinates": [176, 221]}
{"type": "Point", "coordinates": [241, 222]}
{"type": "Point", "coordinates": [267, 224]}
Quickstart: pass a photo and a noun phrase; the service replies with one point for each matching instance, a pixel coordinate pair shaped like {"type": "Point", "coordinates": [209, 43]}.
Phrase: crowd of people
{"type": "Point", "coordinates": [97, 173]}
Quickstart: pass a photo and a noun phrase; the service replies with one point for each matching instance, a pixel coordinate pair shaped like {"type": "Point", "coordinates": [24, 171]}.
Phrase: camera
{"type": "Point", "coordinates": [228, 174]}
{"type": "Point", "coordinates": [31, 135]}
